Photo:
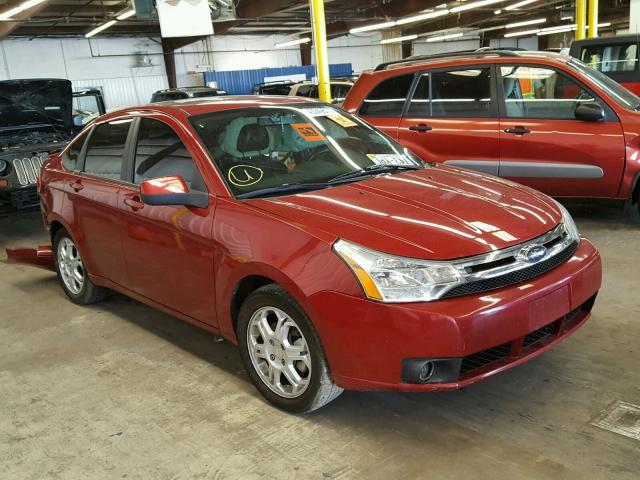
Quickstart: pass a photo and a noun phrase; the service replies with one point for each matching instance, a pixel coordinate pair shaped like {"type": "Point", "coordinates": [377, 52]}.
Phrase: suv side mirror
{"type": "Point", "coordinates": [171, 190]}
{"type": "Point", "coordinates": [590, 112]}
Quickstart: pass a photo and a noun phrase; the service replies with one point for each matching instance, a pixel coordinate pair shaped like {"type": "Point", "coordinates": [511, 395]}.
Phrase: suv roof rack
{"type": "Point", "coordinates": [465, 53]}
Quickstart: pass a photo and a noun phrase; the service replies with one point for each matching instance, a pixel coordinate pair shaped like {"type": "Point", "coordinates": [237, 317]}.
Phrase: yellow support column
{"type": "Point", "coordinates": [581, 18]}
{"type": "Point", "coordinates": [320, 46]}
{"type": "Point", "coordinates": [593, 18]}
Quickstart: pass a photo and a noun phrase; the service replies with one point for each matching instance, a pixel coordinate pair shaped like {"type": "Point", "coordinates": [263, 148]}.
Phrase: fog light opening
{"type": "Point", "coordinates": [426, 372]}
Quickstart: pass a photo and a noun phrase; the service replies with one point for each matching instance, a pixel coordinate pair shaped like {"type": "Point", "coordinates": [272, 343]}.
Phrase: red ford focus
{"type": "Point", "coordinates": [334, 257]}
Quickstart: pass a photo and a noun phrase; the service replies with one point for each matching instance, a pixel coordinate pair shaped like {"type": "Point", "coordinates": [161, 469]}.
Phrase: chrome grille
{"type": "Point", "coordinates": [507, 267]}
{"type": "Point", "coordinates": [28, 169]}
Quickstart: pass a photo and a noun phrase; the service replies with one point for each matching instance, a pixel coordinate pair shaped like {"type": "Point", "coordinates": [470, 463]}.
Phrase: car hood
{"type": "Point", "coordinates": [438, 213]}
{"type": "Point", "coordinates": [36, 103]}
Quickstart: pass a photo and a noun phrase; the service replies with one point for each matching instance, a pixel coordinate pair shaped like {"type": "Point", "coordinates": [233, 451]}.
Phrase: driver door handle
{"type": "Point", "coordinates": [134, 203]}
{"type": "Point", "coordinates": [517, 130]}
{"type": "Point", "coordinates": [422, 127]}
{"type": "Point", "coordinates": [76, 186]}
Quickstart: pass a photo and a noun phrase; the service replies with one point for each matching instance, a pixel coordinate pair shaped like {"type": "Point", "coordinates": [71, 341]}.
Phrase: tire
{"type": "Point", "coordinates": [278, 344]}
{"type": "Point", "coordinates": [73, 277]}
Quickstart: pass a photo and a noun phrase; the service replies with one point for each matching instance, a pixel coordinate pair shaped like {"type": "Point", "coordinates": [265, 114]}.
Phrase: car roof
{"type": "Point", "coordinates": [470, 56]}
{"type": "Point", "coordinates": [186, 89]}
{"type": "Point", "coordinates": [633, 37]}
{"type": "Point", "coordinates": [196, 106]}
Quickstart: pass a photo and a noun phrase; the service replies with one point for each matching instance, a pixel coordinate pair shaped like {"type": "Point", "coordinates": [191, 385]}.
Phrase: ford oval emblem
{"type": "Point", "coordinates": [534, 253]}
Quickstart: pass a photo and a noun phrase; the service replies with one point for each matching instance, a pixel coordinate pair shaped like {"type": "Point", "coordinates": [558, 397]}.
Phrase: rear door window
{"type": "Point", "coordinates": [106, 149]}
{"type": "Point", "coordinates": [387, 98]}
{"type": "Point", "coordinates": [454, 94]}
{"type": "Point", "coordinates": [611, 58]}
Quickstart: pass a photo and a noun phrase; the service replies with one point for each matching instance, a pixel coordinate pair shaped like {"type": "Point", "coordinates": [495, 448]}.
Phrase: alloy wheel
{"type": "Point", "coordinates": [70, 266]}
{"type": "Point", "coordinates": [279, 352]}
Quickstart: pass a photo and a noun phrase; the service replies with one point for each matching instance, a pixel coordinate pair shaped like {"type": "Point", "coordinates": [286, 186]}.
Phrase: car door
{"type": "Point", "coordinates": [543, 145]}
{"type": "Point", "coordinates": [167, 248]}
{"type": "Point", "coordinates": [383, 106]}
{"type": "Point", "coordinates": [452, 118]}
{"type": "Point", "coordinates": [92, 200]}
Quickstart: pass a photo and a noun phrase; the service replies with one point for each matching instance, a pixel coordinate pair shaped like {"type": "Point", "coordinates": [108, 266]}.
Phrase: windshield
{"type": "Point", "coordinates": [616, 91]}
{"type": "Point", "coordinates": [273, 150]}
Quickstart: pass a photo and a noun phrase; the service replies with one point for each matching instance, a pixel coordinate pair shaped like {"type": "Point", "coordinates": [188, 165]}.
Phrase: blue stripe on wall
{"type": "Point", "coordinates": [241, 82]}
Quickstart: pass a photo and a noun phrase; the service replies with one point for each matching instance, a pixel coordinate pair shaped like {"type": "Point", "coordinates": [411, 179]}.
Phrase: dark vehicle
{"type": "Point", "coordinates": [35, 120]}
{"type": "Point", "coordinates": [616, 57]}
{"type": "Point", "coordinates": [185, 92]}
{"type": "Point", "coordinates": [273, 88]}
{"type": "Point", "coordinates": [88, 105]}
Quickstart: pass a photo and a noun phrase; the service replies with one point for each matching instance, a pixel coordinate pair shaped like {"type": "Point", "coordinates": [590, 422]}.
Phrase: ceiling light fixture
{"type": "Point", "coordinates": [525, 23]}
{"type": "Point", "coordinates": [522, 33]}
{"type": "Point", "coordinates": [421, 17]}
{"type": "Point", "coordinates": [398, 39]}
{"type": "Point", "coordinates": [99, 29]}
{"type": "Point", "coordinates": [571, 26]}
{"type": "Point", "coordinates": [556, 30]}
{"type": "Point", "coordinates": [125, 15]}
{"type": "Point", "coordinates": [470, 5]}
{"type": "Point", "coordinates": [516, 6]}
{"type": "Point", "coordinates": [20, 8]}
{"type": "Point", "coordinates": [497, 12]}
{"type": "Point", "coordinates": [375, 26]}
{"type": "Point", "coordinates": [291, 43]}
{"type": "Point", "coordinates": [441, 38]}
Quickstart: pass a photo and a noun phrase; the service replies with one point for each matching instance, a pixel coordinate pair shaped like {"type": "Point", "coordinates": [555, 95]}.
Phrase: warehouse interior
{"type": "Point", "coordinates": [125, 388]}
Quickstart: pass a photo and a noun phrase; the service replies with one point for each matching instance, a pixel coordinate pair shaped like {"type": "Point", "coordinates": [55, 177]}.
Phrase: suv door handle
{"type": "Point", "coordinates": [134, 203]}
{"type": "Point", "coordinates": [517, 130]}
{"type": "Point", "coordinates": [76, 186]}
{"type": "Point", "coordinates": [420, 128]}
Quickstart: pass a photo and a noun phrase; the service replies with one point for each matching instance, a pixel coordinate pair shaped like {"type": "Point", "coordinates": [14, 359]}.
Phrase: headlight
{"type": "Point", "coordinates": [392, 279]}
{"type": "Point", "coordinates": [569, 224]}
{"type": "Point", "coordinates": [4, 167]}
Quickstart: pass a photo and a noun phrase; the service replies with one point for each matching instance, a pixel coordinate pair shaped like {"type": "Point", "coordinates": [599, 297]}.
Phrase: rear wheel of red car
{"type": "Point", "coordinates": [282, 352]}
{"type": "Point", "coordinates": [72, 273]}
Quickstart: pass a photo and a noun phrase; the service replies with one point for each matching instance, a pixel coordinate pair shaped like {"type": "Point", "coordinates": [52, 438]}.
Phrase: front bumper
{"type": "Point", "coordinates": [20, 197]}
{"type": "Point", "coordinates": [367, 343]}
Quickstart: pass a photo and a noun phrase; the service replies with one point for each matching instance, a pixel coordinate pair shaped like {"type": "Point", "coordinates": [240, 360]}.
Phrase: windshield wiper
{"type": "Point", "coordinates": [373, 170]}
{"type": "Point", "coordinates": [282, 189]}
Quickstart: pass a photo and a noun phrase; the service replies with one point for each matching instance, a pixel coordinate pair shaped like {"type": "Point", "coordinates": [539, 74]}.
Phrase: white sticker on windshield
{"type": "Point", "coordinates": [390, 159]}
{"type": "Point", "coordinates": [320, 111]}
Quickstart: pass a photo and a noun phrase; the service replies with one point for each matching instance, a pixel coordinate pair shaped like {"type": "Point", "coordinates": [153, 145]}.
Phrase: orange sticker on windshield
{"type": "Point", "coordinates": [308, 132]}
{"type": "Point", "coordinates": [342, 120]}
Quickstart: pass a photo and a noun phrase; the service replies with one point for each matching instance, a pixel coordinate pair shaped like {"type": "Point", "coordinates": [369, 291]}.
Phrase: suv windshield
{"type": "Point", "coordinates": [623, 96]}
{"type": "Point", "coordinates": [273, 150]}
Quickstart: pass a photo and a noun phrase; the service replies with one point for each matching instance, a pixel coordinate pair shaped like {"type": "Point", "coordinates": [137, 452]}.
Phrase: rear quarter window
{"type": "Point", "coordinates": [72, 154]}
{"type": "Point", "coordinates": [387, 99]}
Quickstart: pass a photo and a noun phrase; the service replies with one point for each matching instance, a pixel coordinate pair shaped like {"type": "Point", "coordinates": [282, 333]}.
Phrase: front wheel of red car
{"type": "Point", "coordinates": [282, 352]}
{"type": "Point", "coordinates": [71, 271]}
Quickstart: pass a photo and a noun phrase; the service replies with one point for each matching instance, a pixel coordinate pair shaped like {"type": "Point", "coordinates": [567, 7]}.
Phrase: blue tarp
{"type": "Point", "coordinates": [241, 82]}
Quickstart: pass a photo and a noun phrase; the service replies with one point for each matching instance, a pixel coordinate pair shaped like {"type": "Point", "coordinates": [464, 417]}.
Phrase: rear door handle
{"type": "Point", "coordinates": [420, 128]}
{"type": "Point", "coordinates": [76, 186]}
{"type": "Point", "coordinates": [517, 130]}
{"type": "Point", "coordinates": [134, 203]}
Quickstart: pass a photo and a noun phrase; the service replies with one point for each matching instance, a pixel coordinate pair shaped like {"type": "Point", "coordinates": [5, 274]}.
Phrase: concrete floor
{"type": "Point", "coordinates": [119, 390]}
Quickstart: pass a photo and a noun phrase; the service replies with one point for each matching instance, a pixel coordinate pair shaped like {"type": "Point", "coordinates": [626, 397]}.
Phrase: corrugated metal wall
{"type": "Point", "coordinates": [125, 91]}
{"type": "Point", "coordinates": [241, 82]}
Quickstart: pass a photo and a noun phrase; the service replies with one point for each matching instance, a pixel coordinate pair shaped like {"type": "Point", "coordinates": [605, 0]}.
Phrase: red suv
{"type": "Point", "coordinates": [334, 257]}
{"type": "Point", "coordinates": [542, 119]}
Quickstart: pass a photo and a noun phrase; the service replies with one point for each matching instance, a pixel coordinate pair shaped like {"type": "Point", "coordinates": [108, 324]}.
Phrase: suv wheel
{"type": "Point", "coordinates": [282, 352]}
{"type": "Point", "coordinates": [71, 272]}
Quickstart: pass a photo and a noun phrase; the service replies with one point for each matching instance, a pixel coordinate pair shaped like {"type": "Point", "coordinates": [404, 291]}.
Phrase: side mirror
{"type": "Point", "coordinates": [171, 190]}
{"type": "Point", "coordinates": [590, 112]}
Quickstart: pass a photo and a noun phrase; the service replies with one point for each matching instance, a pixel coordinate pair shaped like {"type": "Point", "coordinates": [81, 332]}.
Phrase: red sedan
{"type": "Point", "coordinates": [333, 256]}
